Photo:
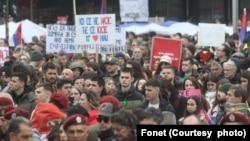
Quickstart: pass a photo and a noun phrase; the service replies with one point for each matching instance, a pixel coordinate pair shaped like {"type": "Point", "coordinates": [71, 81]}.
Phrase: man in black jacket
{"type": "Point", "coordinates": [127, 94]}
{"type": "Point", "coordinates": [153, 97]}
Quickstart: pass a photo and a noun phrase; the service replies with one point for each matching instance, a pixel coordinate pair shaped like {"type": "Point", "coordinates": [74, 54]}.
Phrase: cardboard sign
{"type": "Point", "coordinates": [134, 10]}
{"type": "Point", "coordinates": [95, 30]}
{"type": "Point", "coordinates": [60, 37]}
{"type": "Point", "coordinates": [211, 34]}
{"type": "Point", "coordinates": [165, 46]}
{"type": "Point", "coordinates": [188, 93]}
{"type": "Point", "coordinates": [4, 52]}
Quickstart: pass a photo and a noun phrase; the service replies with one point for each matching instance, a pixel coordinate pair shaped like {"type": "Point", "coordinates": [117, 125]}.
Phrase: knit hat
{"type": "Point", "coordinates": [112, 60]}
{"type": "Point", "coordinates": [235, 117]}
{"type": "Point", "coordinates": [191, 49]}
{"type": "Point", "coordinates": [74, 120]}
{"type": "Point", "coordinates": [166, 58]}
{"type": "Point", "coordinates": [36, 56]}
{"type": "Point", "coordinates": [120, 54]}
{"type": "Point", "coordinates": [74, 65]}
{"type": "Point", "coordinates": [225, 87]}
{"type": "Point", "coordinates": [5, 101]}
{"type": "Point", "coordinates": [204, 68]}
{"type": "Point", "coordinates": [16, 112]}
{"type": "Point", "coordinates": [41, 44]}
{"type": "Point", "coordinates": [5, 70]}
{"type": "Point", "coordinates": [60, 100]}
{"type": "Point", "coordinates": [106, 109]}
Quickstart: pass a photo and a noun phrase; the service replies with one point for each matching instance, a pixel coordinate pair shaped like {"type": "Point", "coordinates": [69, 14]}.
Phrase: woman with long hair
{"type": "Point", "coordinates": [191, 83]}
{"type": "Point", "coordinates": [194, 106]}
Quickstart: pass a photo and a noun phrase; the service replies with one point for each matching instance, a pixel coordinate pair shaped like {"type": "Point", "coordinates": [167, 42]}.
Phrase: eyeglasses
{"type": "Point", "coordinates": [103, 118]}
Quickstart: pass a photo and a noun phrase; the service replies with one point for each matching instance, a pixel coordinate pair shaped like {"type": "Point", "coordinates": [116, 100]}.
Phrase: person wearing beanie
{"type": "Point", "coordinates": [121, 59]}
{"type": "Point", "coordinates": [223, 89]}
{"type": "Point", "coordinates": [36, 59]}
{"type": "Point", "coordinates": [77, 69]}
{"type": "Point", "coordinates": [218, 105]}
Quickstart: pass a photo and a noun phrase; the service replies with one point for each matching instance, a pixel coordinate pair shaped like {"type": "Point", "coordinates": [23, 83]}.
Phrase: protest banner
{"type": "Point", "coordinates": [61, 37]}
{"type": "Point", "coordinates": [94, 31]}
{"type": "Point", "coordinates": [211, 34]}
{"type": "Point", "coordinates": [4, 52]}
{"type": "Point", "coordinates": [165, 46]}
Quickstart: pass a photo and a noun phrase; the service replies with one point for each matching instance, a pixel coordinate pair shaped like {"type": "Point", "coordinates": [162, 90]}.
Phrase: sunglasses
{"type": "Point", "coordinates": [105, 119]}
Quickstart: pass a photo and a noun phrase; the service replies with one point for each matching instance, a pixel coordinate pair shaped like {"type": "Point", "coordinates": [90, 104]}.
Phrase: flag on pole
{"type": "Point", "coordinates": [243, 29]}
{"type": "Point", "coordinates": [17, 36]}
{"type": "Point", "coordinates": [102, 11]}
{"type": "Point", "coordinates": [62, 20]}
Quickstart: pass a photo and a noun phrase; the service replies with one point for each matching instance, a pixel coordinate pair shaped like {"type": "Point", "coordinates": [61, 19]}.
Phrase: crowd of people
{"type": "Point", "coordinates": [103, 97]}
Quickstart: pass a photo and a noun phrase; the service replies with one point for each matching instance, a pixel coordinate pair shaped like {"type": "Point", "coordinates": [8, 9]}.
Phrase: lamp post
{"type": "Point", "coordinates": [235, 18]}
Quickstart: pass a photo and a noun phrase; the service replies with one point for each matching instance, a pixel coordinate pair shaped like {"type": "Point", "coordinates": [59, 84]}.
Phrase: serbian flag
{"type": "Point", "coordinates": [102, 11]}
{"type": "Point", "coordinates": [17, 36]}
{"type": "Point", "coordinates": [243, 29]}
{"type": "Point", "coordinates": [62, 20]}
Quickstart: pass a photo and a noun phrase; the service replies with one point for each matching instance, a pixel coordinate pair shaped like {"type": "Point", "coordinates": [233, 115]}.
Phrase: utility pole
{"type": "Point", "coordinates": [235, 18]}
{"type": "Point", "coordinates": [7, 20]}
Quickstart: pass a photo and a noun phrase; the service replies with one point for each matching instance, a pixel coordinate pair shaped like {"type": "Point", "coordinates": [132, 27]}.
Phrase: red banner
{"type": "Point", "coordinates": [165, 46]}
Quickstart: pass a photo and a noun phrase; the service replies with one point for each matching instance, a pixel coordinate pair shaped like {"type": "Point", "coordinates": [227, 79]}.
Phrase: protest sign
{"type": "Point", "coordinates": [120, 44]}
{"type": "Point", "coordinates": [134, 11]}
{"type": "Point", "coordinates": [165, 46]}
{"type": "Point", "coordinates": [211, 34]}
{"type": "Point", "coordinates": [60, 37]}
{"type": "Point", "coordinates": [95, 30]}
{"type": "Point", "coordinates": [188, 93]}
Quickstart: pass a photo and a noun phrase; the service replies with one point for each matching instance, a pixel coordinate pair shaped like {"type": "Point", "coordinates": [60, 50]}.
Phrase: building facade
{"type": "Point", "coordinates": [46, 11]}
